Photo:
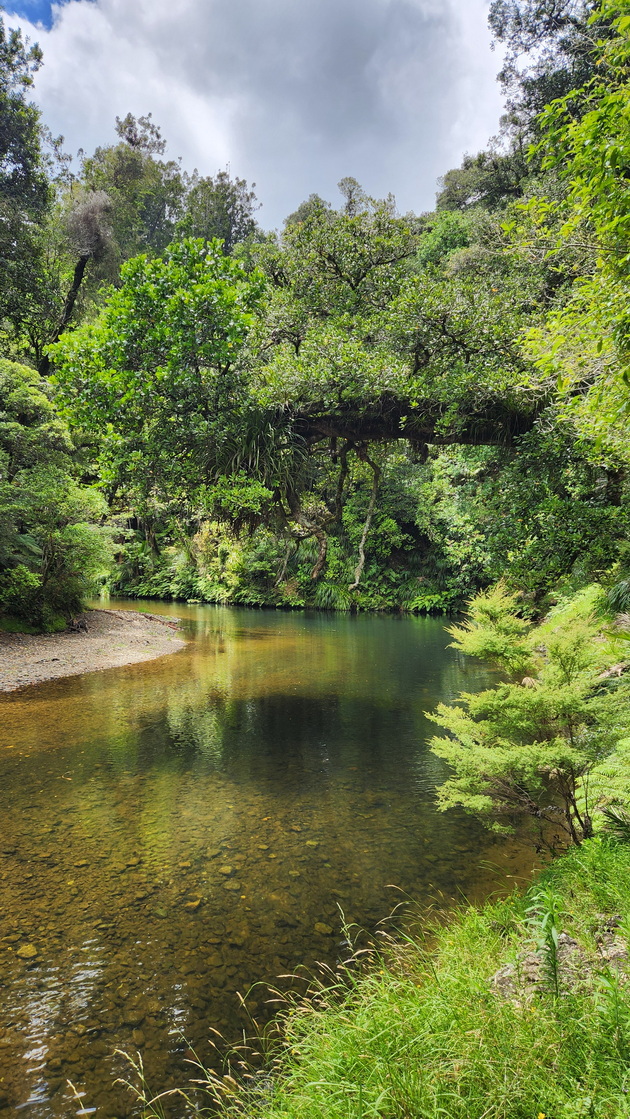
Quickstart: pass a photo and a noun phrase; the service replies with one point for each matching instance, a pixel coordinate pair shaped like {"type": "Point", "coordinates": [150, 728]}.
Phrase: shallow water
{"type": "Point", "coordinates": [175, 832]}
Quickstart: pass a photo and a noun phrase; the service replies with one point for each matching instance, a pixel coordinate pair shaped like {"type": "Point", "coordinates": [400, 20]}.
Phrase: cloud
{"type": "Point", "coordinates": [40, 12]}
{"type": "Point", "coordinates": [293, 94]}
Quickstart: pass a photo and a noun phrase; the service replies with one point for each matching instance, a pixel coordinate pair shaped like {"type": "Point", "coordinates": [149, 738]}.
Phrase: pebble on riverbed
{"type": "Point", "coordinates": [27, 952]}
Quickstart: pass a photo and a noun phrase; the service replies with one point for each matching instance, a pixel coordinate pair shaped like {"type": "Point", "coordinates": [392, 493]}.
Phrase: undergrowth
{"type": "Point", "coordinates": [421, 1032]}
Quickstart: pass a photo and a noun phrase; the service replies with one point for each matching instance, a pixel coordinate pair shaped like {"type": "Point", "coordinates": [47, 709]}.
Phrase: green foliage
{"type": "Point", "coordinates": [146, 193]}
{"type": "Point", "coordinates": [157, 371]}
{"type": "Point", "coordinates": [53, 547]}
{"type": "Point", "coordinates": [527, 750]}
{"type": "Point", "coordinates": [584, 344]}
{"type": "Point", "coordinates": [534, 517]}
{"type": "Point", "coordinates": [494, 631]}
{"type": "Point", "coordinates": [219, 207]}
{"type": "Point", "coordinates": [422, 1030]}
{"type": "Point", "coordinates": [617, 824]}
{"type": "Point", "coordinates": [490, 179]}
{"type": "Point", "coordinates": [543, 920]}
{"type": "Point", "coordinates": [24, 189]}
{"type": "Point", "coordinates": [550, 50]}
{"type": "Point", "coordinates": [270, 392]}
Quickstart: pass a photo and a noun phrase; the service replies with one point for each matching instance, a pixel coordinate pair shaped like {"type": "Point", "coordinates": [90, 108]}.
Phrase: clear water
{"type": "Point", "coordinates": [175, 832]}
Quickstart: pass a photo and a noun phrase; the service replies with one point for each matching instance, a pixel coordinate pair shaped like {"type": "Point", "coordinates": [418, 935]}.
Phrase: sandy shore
{"type": "Point", "coordinates": [112, 638]}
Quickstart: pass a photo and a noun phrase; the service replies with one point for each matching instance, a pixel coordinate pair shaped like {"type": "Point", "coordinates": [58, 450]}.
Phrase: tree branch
{"type": "Point", "coordinates": [376, 471]}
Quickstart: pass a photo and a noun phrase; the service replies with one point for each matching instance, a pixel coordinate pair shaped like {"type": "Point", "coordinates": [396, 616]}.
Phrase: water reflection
{"type": "Point", "coordinates": [176, 831]}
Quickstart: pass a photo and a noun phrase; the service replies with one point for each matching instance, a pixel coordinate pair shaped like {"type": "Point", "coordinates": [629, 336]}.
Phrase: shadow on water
{"type": "Point", "coordinates": [178, 831]}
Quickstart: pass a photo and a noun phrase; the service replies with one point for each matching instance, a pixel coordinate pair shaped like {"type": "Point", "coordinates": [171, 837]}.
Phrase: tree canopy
{"type": "Point", "coordinates": [368, 407]}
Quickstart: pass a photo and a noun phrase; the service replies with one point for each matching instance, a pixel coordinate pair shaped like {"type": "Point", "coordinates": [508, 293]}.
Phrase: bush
{"type": "Point", "coordinates": [54, 547]}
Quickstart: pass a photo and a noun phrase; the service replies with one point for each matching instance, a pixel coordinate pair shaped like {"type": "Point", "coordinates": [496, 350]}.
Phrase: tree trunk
{"type": "Point", "coordinates": [71, 298]}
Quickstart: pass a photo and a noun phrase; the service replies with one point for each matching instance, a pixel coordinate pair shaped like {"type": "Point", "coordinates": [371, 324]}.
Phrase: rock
{"type": "Point", "coordinates": [312, 843]}
{"type": "Point", "coordinates": [322, 929]}
{"type": "Point", "coordinates": [137, 1037]}
{"type": "Point", "coordinates": [226, 870]}
{"type": "Point", "coordinates": [27, 952]}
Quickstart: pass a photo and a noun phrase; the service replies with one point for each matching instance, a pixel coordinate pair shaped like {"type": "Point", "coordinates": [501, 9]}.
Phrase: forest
{"type": "Point", "coordinates": [366, 410]}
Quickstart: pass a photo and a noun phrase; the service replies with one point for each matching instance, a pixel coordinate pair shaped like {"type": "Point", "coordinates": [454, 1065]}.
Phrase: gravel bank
{"type": "Point", "coordinates": [110, 639]}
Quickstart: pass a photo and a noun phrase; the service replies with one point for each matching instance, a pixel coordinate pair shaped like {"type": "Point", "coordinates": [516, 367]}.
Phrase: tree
{"type": "Point", "coordinates": [24, 190]}
{"type": "Point", "coordinates": [52, 544]}
{"type": "Point", "coordinates": [527, 750]}
{"type": "Point", "coordinates": [158, 371]}
{"type": "Point", "coordinates": [585, 343]}
{"type": "Point", "coordinates": [219, 207]}
{"type": "Point", "coordinates": [551, 52]}
{"type": "Point", "coordinates": [141, 134]}
{"type": "Point", "coordinates": [146, 193]}
{"type": "Point", "coordinates": [491, 179]}
{"type": "Point", "coordinates": [348, 350]}
{"type": "Point", "coordinates": [87, 238]}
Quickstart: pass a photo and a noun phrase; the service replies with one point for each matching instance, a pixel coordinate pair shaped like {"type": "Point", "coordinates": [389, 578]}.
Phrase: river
{"type": "Point", "coordinates": [175, 832]}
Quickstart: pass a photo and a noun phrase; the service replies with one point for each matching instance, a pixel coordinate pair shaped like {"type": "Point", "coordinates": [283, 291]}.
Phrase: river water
{"type": "Point", "coordinates": [175, 832]}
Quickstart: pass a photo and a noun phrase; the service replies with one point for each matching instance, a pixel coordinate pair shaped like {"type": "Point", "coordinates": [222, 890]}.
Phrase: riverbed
{"type": "Point", "coordinates": [177, 832]}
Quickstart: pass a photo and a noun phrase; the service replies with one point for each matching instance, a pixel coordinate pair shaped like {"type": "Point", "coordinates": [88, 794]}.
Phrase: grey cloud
{"type": "Point", "coordinates": [302, 92]}
{"type": "Point", "coordinates": [326, 88]}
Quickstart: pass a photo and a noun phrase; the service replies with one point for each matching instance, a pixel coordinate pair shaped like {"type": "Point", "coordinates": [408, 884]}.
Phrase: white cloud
{"type": "Point", "coordinates": [293, 94]}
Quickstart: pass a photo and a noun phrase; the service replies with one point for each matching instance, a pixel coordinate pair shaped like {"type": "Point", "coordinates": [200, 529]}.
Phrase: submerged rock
{"type": "Point", "coordinates": [27, 952]}
{"type": "Point", "coordinates": [322, 929]}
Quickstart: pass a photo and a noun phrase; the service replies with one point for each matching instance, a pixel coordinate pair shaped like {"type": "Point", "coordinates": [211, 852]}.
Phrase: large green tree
{"type": "Point", "coordinates": [53, 545]}
{"type": "Point", "coordinates": [158, 373]}
{"type": "Point", "coordinates": [24, 189]}
{"type": "Point", "coordinates": [353, 347]}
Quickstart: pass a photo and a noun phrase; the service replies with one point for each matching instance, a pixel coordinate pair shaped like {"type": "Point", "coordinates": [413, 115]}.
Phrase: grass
{"type": "Point", "coordinates": [16, 625]}
{"type": "Point", "coordinates": [422, 1033]}
{"type": "Point", "coordinates": [10, 624]}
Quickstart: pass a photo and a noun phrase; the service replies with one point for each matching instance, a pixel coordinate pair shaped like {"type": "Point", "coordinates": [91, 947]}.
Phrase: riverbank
{"type": "Point", "coordinates": [100, 639]}
{"type": "Point", "coordinates": [518, 1009]}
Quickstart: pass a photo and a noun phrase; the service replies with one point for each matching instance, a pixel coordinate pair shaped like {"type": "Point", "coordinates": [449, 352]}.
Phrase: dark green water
{"type": "Point", "coordinates": [176, 832]}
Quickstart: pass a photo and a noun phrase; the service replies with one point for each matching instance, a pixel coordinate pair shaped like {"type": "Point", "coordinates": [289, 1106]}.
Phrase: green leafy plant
{"type": "Point", "coordinates": [527, 750]}
{"type": "Point", "coordinates": [543, 916]}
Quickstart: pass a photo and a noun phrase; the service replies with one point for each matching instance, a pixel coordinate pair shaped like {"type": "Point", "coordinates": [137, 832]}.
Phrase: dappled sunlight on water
{"type": "Point", "coordinates": [178, 831]}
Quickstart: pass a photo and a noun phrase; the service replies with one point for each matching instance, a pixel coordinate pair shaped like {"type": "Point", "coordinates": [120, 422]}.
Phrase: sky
{"type": "Point", "coordinates": [290, 94]}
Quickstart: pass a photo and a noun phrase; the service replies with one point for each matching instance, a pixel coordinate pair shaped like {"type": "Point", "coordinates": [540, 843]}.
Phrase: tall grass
{"type": "Point", "coordinates": [423, 1033]}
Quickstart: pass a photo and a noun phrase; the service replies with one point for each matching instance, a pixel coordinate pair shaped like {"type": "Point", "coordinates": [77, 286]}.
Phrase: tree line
{"type": "Point", "coordinates": [366, 409]}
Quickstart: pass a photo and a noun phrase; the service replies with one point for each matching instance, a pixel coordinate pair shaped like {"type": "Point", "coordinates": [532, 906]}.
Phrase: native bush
{"type": "Point", "coordinates": [527, 749]}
